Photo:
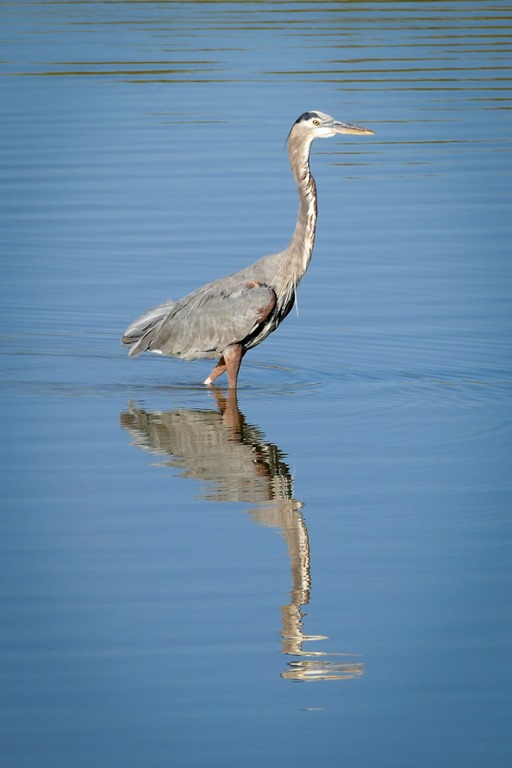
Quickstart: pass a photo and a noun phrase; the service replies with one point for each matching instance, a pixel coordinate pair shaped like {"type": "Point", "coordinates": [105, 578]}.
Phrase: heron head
{"type": "Point", "coordinates": [320, 125]}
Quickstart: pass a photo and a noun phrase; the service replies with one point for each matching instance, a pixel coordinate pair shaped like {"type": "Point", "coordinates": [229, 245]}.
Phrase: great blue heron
{"type": "Point", "coordinates": [234, 313]}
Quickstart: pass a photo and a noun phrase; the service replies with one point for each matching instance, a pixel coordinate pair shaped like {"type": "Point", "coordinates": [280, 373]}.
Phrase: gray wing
{"type": "Point", "coordinates": [209, 320]}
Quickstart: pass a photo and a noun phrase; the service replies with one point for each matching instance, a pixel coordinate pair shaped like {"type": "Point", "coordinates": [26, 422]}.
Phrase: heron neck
{"type": "Point", "coordinates": [300, 248]}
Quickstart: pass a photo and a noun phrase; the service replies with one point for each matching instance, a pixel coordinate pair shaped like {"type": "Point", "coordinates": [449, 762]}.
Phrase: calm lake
{"type": "Point", "coordinates": [316, 570]}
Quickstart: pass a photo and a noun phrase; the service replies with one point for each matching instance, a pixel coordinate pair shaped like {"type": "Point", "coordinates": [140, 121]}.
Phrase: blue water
{"type": "Point", "coordinates": [319, 569]}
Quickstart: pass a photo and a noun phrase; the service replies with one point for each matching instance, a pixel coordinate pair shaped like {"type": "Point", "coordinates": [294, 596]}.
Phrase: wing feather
{"type": "Point", "coordinates": [204, 323]}
{"type": "Point", "coordinates": [138, 335]}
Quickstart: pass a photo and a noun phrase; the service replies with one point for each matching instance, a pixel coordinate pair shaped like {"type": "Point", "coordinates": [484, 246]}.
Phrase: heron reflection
{"type": "Point", "coordinates": [234, 462]}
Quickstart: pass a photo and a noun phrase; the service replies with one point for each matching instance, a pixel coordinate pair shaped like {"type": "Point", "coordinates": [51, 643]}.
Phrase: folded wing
{"type": "Point", "coordinates": [204, 323]}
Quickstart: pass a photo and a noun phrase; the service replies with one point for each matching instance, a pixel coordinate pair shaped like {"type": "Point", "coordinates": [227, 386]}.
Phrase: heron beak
{"type": "Point", "coordinates": [349, 128]}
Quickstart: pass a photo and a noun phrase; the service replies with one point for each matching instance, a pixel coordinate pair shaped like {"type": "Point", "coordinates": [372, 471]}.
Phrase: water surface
{"type": "Point", "coordinates": [320, 567]}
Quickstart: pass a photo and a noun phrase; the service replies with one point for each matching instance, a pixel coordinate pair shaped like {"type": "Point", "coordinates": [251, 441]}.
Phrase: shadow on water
{"type": "Point", "coordinates": [235, 462]}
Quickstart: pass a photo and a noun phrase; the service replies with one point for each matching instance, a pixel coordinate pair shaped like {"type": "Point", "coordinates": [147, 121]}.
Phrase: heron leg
{"type": "Point", "coordinates": [233, 357]}
{"type": "Point", "coordinates": [230, 362]}
{"type": "Point", "coordinates": [217, 371]}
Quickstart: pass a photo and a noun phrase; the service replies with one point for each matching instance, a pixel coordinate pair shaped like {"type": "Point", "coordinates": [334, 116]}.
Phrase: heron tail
{"type": "Point", "coordinates": [139, 334]}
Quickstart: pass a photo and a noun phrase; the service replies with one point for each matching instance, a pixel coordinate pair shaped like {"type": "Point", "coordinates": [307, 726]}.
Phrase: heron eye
{"type": "Point", "coordinates": [316, 122]}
